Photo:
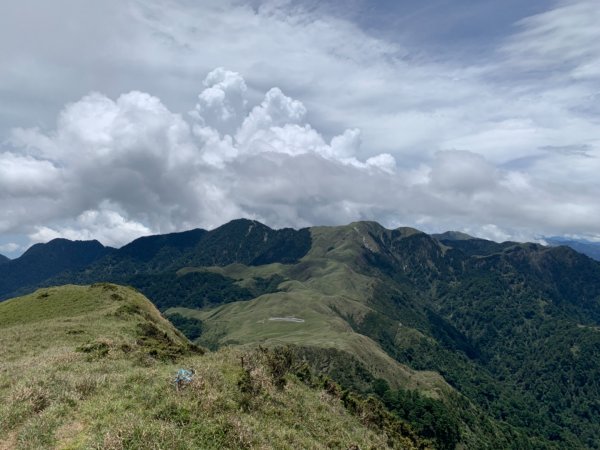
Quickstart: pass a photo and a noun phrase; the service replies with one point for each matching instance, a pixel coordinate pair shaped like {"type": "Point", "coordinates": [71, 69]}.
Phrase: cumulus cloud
{"type": "Point", "coordinates": [105, 224]}
{"type": "Point", "coordinates": [26, 176]}
{"type": "Point", "coordinates": [222, 104]}
{"type": "Point", "coordinates": [127, 167]}
{"type": "Point", "coordinates": [117, 169]}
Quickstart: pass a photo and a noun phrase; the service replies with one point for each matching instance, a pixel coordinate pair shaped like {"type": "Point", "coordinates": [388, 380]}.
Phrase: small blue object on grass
{"type": "Point", "coordinates": [184, 377]}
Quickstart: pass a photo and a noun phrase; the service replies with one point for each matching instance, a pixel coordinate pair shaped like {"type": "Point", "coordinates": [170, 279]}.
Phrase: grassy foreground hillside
{"type": "Point", "coordinates": [93, 367]}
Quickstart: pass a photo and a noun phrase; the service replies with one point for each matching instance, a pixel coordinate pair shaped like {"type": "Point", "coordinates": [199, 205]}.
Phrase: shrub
{"type": "Point", "coordinates": [95, 350]}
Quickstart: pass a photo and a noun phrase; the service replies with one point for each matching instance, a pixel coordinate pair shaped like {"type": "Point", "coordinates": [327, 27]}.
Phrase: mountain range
{"type": "Point", "coordinates": [589, 248]}
{"type": "Point", "coordinates": [471, 342]}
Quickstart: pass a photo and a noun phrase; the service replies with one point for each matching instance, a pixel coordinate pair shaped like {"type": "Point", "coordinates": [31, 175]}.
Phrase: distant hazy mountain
{"type": "Point", "coordinates": [43, 261]}
{"type": "Point", "coordinates": [4, 259]}
{"type": "Point", "coordinates": [591, 249]}
{"type": "Point", "coordinates": [512, 327]}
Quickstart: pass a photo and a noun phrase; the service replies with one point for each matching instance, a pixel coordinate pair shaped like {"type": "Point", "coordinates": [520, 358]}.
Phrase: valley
{"type": "Point", "coordinates": [499, 339]}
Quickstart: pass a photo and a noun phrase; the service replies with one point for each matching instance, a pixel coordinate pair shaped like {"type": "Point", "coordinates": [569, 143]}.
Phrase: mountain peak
{"type": "Point", "coordinates": [237, 225]}
{"type": "Point", "coordinates": [62, 245]}
{"type": "Point", "coordinates": [453, 236]}
{"type": "Point", "coordinates": [42, 261]}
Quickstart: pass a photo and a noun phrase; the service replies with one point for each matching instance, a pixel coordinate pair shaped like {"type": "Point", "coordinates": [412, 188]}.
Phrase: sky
{"type": "Point", "coordinates": [125, 118]}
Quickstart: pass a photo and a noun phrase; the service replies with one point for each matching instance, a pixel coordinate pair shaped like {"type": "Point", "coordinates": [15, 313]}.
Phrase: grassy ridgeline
{"type": "Point", "coordinates": [92, 367]}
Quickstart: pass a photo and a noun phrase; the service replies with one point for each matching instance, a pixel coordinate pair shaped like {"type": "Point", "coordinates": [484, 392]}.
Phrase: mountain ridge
{"type": "Point", "coordinates": [240, 240]}
{"type": "Point", "coordinates": [448, 318]}
{"type": "Point", "coordinates": [455, 309]}
{"type": "Point", "coordinates": [43, 261]}
{"type": "Point", "coordinates": [589, 248]}
{"type": "Point", "coordinates": [93, 367]}
{"type": "Point", "coordinates": [147, 246]}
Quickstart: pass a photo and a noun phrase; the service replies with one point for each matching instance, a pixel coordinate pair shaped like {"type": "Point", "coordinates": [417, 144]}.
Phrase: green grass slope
{"type": "Point", "coordinates": [92, 367]}
{"type": "Point", "coordinates": [326, 293]}
{"type": "Point", "coordinates": [377, 295]}
{"type": "Point", "coordinates": [302, 314]}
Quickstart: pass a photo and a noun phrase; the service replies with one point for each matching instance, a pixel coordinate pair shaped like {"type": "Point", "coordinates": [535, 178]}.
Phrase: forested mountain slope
{"type": "Point", "coordinates": [504, 335]}
{"type": "Point", "coordinates": [44, 261]}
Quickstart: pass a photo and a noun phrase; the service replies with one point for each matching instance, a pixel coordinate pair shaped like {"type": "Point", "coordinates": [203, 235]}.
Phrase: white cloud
{"type": "Point", "coordinates": [462, 172]}
{"type": "Point", "coordinates": [105, 225]}
{"type": "Point", "coordinates": [276, 110]}
{"type": "Point", "coordinates": [434, 143]}
{"type": "Point", "coordinates": [9, 247]}
{"type": "Point", "coordinates": [562, 38]}
{"type": "Point", "coordinates": [130, 166]}
{"type": "Point", "coordinates": [222, 104]}
{"type": "Point", "coordinates": [25, 176]}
